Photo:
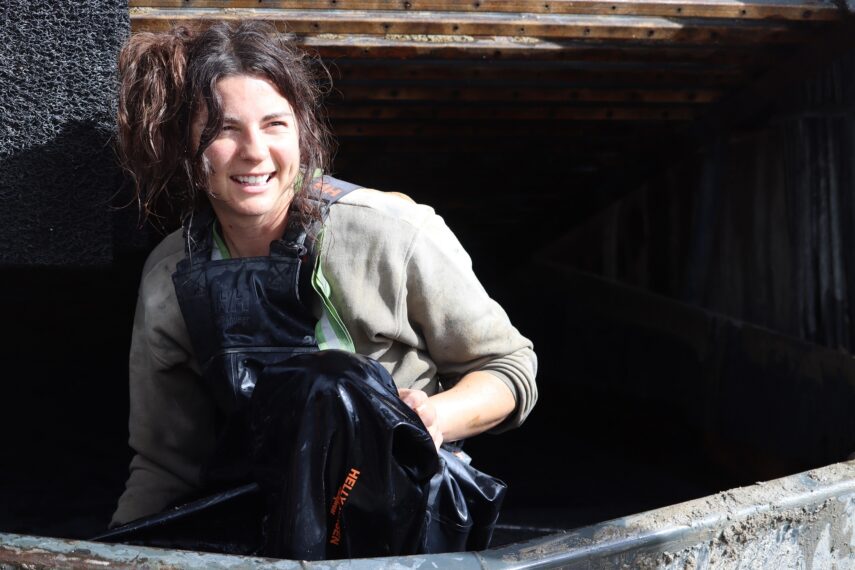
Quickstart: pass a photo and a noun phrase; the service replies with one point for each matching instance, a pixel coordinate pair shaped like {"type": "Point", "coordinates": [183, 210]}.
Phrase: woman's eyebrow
{"type": "Point", "coordinates": [279, 115]}
{"type": "Point", "coordinates": [268, 117]}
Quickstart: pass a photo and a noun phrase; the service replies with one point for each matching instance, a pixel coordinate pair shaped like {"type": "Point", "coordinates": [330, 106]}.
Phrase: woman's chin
{"type": "Point", "coordinates": [253, 207]}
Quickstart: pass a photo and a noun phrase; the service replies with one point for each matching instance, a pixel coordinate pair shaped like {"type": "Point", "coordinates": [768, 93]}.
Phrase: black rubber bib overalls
{"type": "Point", "coordinates": [346, 469]}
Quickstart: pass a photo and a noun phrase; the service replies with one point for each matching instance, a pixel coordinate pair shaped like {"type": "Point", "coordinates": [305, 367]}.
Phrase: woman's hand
{"type": "Point", "coordinates": [478, 402]}
{"type": "Point", "coordinates": [423, 406]}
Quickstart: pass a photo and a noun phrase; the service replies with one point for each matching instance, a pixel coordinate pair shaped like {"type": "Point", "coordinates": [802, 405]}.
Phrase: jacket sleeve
{"type": "Point", "coordinates": [463, 328]}
{"type": "Point", "coordinates": [171, 415]}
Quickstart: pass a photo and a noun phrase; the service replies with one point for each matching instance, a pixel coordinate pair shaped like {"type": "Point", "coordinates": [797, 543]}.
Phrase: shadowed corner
{"type": "Point", "coordinates": [57, 199]}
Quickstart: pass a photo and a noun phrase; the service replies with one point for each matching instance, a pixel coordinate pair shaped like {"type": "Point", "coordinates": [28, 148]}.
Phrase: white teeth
{"type": "Point", "coordinates": [252, 179]}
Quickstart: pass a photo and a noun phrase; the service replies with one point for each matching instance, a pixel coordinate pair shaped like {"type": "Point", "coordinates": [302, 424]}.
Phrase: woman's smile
{"type": "Point", "coordinates": [253, 182]}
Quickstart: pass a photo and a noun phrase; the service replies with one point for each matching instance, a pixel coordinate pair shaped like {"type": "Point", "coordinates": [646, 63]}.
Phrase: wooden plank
{"type": "Point", "coordinates": [405, 24]}
{"type": "Point", "coordinates": [582, 155]}
{"type": "Point", "coordinates": [357, 72]}
{"type": "Point", "coordinates": [802, 11]}
{"type": "Point", "coordinates": [507, 49]}
{"type": "Point", "coordinates": [520, 113]}
{"type": "Point", "coordinates": [358, 128]}
{"type": "Point", "coordinates": [753, 101]}
{"type": "Point", "coordinates": [583, 151]}
{"type": "Point", "coordinates": [596, 132]}
{"type": "Point", "coordinates": [530, 94]}
{"type": "Point", "coordinates": [443, 48]}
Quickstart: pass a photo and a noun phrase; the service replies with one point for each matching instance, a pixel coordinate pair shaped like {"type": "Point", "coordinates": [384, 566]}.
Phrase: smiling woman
{"type": "Point", "coordinates": [301, 335]}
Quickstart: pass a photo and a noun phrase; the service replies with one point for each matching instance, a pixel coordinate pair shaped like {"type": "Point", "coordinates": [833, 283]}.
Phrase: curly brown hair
{"type": "Point", "coordinates": [164, 80]}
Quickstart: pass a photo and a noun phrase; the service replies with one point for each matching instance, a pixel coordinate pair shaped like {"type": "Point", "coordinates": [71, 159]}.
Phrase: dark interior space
{"type": "Point", "coordinates": [589, 453]}
{"type": "Point", "coordinates": [687, 286]}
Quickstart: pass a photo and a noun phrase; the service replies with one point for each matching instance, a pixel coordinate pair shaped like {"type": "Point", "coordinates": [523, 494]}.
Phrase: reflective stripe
{"type": "Point", "coordinates": [221, 250]}
{"type": "Point", "coordinates": [330, 330]}
{"type": "Point", "coordinates": [325, 333]}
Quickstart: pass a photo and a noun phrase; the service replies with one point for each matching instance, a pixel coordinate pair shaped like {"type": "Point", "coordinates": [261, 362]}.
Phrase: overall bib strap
{"type": "Point", "coordinates": [246, 313]}
{"type": "Point", "coordinates": [296, 240]}
{"type": "Point", "coordinates": [198, 234]}
{"type": "Point", "coordinates": [333, 189]}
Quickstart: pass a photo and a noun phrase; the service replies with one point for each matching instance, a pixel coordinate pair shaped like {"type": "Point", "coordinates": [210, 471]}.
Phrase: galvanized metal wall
{"type": "Point", "coordinates": [760, 225]}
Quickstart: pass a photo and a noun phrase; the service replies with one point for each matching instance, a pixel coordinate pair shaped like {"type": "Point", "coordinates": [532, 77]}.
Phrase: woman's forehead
{"type": "Point", "coordinates": [247, 95]}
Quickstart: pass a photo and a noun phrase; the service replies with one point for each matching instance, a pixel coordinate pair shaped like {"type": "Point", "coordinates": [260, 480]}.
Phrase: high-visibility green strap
{"type": "Point", "coordinates": [219, 244]}
{"type": "Point", "coordinates": [330, 330]}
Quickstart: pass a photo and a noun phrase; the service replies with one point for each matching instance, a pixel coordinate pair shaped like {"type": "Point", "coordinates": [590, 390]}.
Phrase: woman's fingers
{"type": "Point", "coordinates": [436, 435]}
{"type": "Point", "coordinates": [419, 402]}
{"type": "Point", "coordinates": [413, 398]}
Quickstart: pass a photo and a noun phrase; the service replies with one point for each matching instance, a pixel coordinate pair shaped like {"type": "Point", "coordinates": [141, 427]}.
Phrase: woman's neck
{"type": "Point", "coordinates": [251, 237]}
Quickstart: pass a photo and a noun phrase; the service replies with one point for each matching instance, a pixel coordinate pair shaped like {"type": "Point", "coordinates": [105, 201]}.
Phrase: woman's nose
{"type": "Point", "coordinates": [252, 146]}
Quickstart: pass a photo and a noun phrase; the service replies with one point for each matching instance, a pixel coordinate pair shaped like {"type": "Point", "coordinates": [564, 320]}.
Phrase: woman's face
{"type": "Point", "coordinates": [254, 160]}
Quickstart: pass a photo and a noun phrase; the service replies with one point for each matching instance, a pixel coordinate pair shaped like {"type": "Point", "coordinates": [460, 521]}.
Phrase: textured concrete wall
{"type": "Point", "coordinates": [58, 172]}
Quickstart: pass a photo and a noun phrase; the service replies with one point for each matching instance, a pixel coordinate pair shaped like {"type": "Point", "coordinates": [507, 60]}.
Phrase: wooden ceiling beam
{"type": "Point", "coordinates": [583, 153]}
{"type": "Point", "coordinates": [817, 10]}
{"type": "Point", "coordinates": [589, 130]}
{"type": "Point", "coordinates": [505, 113]}
{"type": "Point", "coordinates": [580, 152]}
{"type": "Point", "coordinates": [575, 156]}
{"type": "Point", "coordinates": [753, 103]}
{"type": "Point", "coordinates": [505, 49]}
{"type": "Point", "coordinates": [355, 72]}
{"type": "Point", "coordinates": [524, 94]}
{"type": "Point", "coordinates": [464, 26]}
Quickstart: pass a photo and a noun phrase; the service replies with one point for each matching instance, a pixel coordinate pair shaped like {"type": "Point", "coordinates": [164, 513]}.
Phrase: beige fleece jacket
{"type": "Point", "coordinates": [405, 290]}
